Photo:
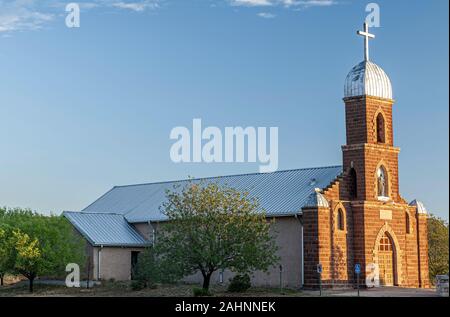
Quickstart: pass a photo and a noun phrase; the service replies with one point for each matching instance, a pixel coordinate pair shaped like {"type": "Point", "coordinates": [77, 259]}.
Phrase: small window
{"type": "Point", "coordinates": [408, 223]}
{"type": "Point", "coordinates": [353, 186]}
{"type": "Point", "coordinates": [381, 133]}
{"type": "Point", "coordinates": [134, 262]}
{"type": "Point", "coordinates": [340, 220]}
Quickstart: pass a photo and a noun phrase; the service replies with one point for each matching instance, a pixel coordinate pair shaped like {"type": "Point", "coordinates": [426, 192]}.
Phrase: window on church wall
{"type": "Point", "coordinates": [353, 193]}
{"type": "Point", "coordinates": [382, 182]}
{"type": "Point", "coordinates": [381, 133]}
{"type": "Point", "coordinates": [385, 243]}
{"type": "Point", "coordinates": [408, 223]}
{"type": "Point", "coordinates": [340, 220]}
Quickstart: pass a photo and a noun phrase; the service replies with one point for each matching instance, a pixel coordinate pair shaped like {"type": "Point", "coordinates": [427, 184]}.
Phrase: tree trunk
{"type": "Point", "coordinates": [206, 280]}
{"type": "Point", "coordinates": [31, 279]}
{"type": "Point", "coordinates": [1, 279]}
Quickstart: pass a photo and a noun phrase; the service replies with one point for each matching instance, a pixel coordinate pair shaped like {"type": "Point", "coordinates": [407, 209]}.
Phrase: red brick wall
{"type": "Point", "coordinates": [366, 217]}
{"type": "Point", "coordinates": [422, 233]}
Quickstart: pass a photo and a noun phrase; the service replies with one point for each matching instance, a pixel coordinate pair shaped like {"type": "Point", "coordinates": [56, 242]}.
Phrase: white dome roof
{"type": "Point", "coordinates": [369, 79]}
{"type": "Point", "coordinates": [316, 199]}
{"type": "Point", "coordinates": [419, 205]}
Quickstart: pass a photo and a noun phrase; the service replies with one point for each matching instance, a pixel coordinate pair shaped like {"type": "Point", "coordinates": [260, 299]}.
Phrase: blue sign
{"type": "Point", "coordinates": [319, 268]}
{"type": "Point", "coordinates": [357, 268]}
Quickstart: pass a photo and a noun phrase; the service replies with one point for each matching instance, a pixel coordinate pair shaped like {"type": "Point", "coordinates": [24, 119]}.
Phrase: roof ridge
{"type": "Point", "coordinates": [93, 212]}
{"type": "Point", "coordinates": [222, 176]}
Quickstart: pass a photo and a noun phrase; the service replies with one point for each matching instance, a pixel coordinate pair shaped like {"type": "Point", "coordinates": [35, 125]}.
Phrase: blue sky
{"type": "Point", "coordinates": [85, 109]}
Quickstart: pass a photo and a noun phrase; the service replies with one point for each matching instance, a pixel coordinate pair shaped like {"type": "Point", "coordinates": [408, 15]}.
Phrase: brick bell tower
{"type": "Point", "coordinates": [360, 217]}
{"type": "Point", "coordinates": [389, 236]}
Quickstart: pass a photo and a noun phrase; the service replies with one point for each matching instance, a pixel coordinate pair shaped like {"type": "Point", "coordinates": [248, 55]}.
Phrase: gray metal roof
{"type": "Point", "coordinates": [280, 193]}
{"type": "Point", "coordinates": [368, 78]}
{"type": "Point", "coordinates": [105, 229]}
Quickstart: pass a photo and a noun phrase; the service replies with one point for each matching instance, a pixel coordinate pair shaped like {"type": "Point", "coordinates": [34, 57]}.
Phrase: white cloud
{"type": "Point", "coordinates": [283, 3]}
{"type": "Point", "coordinates": [21, 15]}
{"type": "Point", "coordinates": [309, 3]}
{"type": "Point", "coordinates": [18, 15]}
{"type": "Point", "coordinates": [137, 6]}
{"type": "Point", "coordinates": [266, 15]}
{"type": "Point", "coordinates": [251, 3]}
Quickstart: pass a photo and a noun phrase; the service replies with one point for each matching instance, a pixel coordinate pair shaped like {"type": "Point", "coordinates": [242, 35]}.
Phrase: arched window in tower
{"type": "Point", "coordinates": [353, 185]}
{"type": "Point", "coordinates": [382, 182]}
{"type": "Point", "coordinates": [381, 133]}
{"type": "Point", "coordinates": [340, 220]}
{"type": "Point", "coordinates": [407, 223]}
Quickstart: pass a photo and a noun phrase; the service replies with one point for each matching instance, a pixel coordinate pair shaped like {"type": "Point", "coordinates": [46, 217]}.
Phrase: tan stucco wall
{"type": "Point", "coordinates": [115, 263]}
{"type": "Point", "coordinates": [289, 241]}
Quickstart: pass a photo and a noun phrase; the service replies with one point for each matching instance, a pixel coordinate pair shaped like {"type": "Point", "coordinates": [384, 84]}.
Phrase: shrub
{"type": "Point", "coordinates": [239, 283]}
{"type": "Point", "coordinates": [199, 292]}
{"type": "Point", "coordinates": [147, 270]}
{"type": "Point", "coordinates": [137, 285]}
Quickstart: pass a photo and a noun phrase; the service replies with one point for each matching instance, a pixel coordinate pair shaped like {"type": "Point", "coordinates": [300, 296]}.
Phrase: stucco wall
{"type": "Point", "coordinates": [289, 241]}
{"type": "Point", "coordinates": [115, 263]}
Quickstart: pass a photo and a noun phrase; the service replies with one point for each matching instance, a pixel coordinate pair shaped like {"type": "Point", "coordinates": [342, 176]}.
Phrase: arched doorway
{"type": "Point", "coordinates": [386, 260]}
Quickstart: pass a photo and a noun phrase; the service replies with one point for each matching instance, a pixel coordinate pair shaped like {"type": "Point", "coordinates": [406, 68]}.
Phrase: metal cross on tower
{"type": "Point", "coordinates": [367, 36]}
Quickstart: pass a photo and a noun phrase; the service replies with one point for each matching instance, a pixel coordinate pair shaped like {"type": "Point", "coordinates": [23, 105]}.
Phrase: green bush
{"type": "Point", "coordinates": [199, 292]}
{"type": "Point", "coordinates": [147, 271]}
{"type": "Point", "coordinates": [137, 285]}
{"type": "Point", "coordinates": [239, 283]}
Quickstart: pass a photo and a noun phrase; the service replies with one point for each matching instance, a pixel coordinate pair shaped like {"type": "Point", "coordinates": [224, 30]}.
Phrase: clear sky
{"type": "Point", "coordinates": [82, 110]}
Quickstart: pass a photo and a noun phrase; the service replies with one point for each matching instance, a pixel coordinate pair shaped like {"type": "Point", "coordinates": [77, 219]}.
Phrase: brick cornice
{"type": "Point", "coordinates": [370, 146]}
{"type": "Point", "coordinates": [368, 98]}
{"type": "Point", "coordinates": [379, 204]}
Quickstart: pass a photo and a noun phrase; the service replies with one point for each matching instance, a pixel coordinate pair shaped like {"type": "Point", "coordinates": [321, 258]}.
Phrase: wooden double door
{"type": "Point", "coordinates": [386, 261]}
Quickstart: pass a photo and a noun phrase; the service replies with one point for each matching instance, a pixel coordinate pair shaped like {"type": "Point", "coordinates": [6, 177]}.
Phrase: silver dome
{"type": "Point", "coordinates": [419, 206]}
{"type": "Point", "coordinates": [367, 79]}
{"type": "Point", "coordinates": [316, 199]}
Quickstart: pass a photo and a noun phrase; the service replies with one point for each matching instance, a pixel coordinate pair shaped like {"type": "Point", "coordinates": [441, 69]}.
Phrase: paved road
{"type": "Point", "coordinates": [385, 292]}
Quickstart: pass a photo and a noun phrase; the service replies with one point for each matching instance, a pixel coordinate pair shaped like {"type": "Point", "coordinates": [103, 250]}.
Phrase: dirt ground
{"type": "Point", "coordinates": [18, 288]}
{"type": "Point", "coordinates": [111, 289]}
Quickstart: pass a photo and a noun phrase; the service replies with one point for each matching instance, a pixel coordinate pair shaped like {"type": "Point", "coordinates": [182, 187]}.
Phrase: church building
{"type": "Point", "coordinates": [327, 219]}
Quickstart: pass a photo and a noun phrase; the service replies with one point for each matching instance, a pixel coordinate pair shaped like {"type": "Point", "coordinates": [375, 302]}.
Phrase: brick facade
{"type": "Point", "coordinates": [367, 217]}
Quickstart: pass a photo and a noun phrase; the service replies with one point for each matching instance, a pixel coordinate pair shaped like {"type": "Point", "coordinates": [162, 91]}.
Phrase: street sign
{"type": "Point", "coordinates": [319, 268]}
{"type": "Point", "coordinates": [357, 271]}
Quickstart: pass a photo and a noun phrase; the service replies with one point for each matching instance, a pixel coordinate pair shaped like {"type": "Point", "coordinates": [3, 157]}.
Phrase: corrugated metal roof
{"type": "Point", "coordinates": [369, 79]}
{"type": "Point", "coordinates": [105, 229]}
{"type": "Point", "coordinates": [279, 193]}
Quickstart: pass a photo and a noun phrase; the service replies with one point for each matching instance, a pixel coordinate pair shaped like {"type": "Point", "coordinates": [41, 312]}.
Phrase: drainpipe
{"type": "Point", "coordinates": [303, 255]}
{"type": "Point", "coordinates": [99, 262]}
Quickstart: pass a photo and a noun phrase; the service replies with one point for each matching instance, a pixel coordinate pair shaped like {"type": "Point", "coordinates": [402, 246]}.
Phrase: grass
{"type": "Point", "coordinates": [123, 289]}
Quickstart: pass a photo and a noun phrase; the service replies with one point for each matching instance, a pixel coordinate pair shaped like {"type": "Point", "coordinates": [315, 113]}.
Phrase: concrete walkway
{"type": "Point", "coordinates": [384, 292]}
{"type": "Point", "coordinates": [83, 284]}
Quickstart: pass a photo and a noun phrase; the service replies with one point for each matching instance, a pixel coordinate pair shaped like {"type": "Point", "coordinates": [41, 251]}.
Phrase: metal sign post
{"type": "Point", "coordinates": [357, 271]}
{"type": "Point", "coordinates": [319, 271]}
{"type": "Point", "coordinates": [281, 279]}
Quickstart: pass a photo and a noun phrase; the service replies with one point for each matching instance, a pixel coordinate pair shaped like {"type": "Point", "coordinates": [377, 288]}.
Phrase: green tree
{"type": "Point", "coordinates": [28, 256]}
{"type": "Point", "coordinates": [6, 252]}
{"type": "Point", "coordinates": [212, 228]}
{"type": "Point", "coordinates": [147, 270]}
{"type": "Point", "coordinates": [438, 246]}
{"type": "Point", "coordinates": [43, 245]}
